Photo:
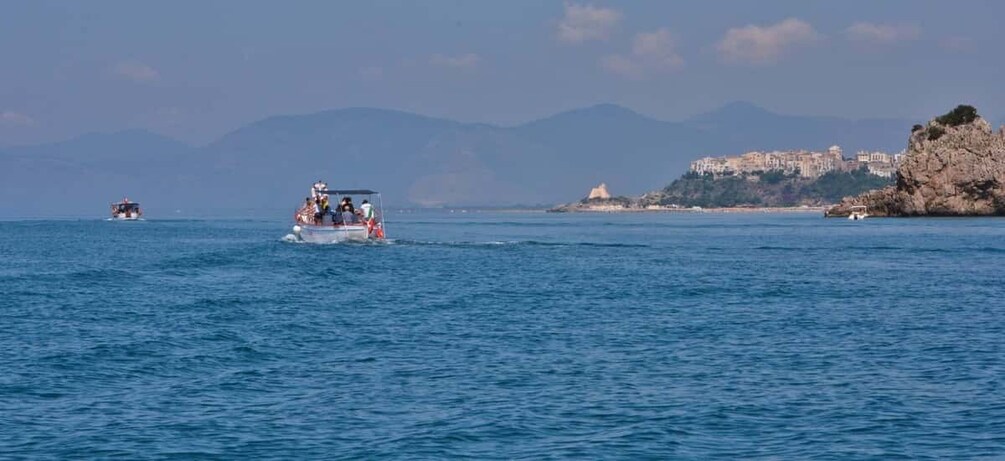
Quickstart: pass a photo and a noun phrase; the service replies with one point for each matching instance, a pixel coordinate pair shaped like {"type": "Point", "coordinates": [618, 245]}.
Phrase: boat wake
{"type": "Point", "coordinates": [509, 243]}
{"type": "Point", "coordinates": [292, 238]}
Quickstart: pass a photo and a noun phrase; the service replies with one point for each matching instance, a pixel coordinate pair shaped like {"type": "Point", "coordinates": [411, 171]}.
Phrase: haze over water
{"type": "Point", "coordinates": [505, 335]}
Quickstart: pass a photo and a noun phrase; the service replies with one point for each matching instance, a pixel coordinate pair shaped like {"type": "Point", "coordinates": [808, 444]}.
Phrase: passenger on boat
{"type": "Point", "coordinates": [367, 210]}
{"type": "Point", "coordinates": [336, 215]}
{"type": "Point", "coordinates": [305, 211]}
{"type": "Point", "coordinates": [325, 208]}
{"type": "Point", "coordinates": [348, 210]}
{"type": "Point", "coordinates": [317, 210]}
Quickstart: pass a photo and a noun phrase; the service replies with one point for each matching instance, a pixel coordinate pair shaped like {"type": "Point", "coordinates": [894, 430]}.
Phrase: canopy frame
{"type": "Point", "coordinates": [348, 192]}
{"type": "Point", "coordinates": [369, 193]}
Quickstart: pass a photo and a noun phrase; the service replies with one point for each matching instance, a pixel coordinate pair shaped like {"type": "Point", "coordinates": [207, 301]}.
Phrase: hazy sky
{"type": "Point", "coordinates": [196, 69]}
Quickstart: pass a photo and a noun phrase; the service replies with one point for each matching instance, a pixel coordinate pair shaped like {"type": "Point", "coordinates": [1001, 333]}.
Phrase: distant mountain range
{"type": "Point", "coordinates": [415, 160]}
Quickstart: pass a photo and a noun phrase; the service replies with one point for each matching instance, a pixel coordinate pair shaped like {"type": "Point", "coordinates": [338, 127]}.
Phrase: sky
{"type": "Point", "coordinates": [194, 70]}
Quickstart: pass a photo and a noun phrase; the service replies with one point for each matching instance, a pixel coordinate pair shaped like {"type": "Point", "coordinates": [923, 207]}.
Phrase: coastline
{"type": "Point", "coordinates": [604, 209]}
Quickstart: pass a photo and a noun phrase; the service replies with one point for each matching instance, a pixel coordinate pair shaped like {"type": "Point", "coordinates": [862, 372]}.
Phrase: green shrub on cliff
{"type": "Point", "coordinates": [962, 114]}
{"type": "Point", "coordinates": [772, 176]}
{"type": "Point", "coordinates": [832, 186]}
{"type": "Point", "coordinates": [773, 189]}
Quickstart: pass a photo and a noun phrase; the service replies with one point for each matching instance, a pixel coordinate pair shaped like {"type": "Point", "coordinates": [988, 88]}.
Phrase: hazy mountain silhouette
{"type": "Point", "coordinates": [413, 159]}
{"type": "Point", "coordinates": [742, 126]}
{"type": "Point", "coordinates": [616, 145]}
{"type": "Point", "coordinates": [82, 175]}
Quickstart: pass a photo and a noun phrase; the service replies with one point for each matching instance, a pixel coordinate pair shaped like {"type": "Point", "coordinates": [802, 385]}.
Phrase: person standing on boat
{"type": "Point", "coordinates": [317, 188]}
{"type": "Point", "coordinates": [366, 210]}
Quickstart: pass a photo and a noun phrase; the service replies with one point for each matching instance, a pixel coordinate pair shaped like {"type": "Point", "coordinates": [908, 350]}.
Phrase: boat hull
{"type": "Point", "coordinates": [331, 234]}
{"type": "Point", "coordinates": [125, 218]}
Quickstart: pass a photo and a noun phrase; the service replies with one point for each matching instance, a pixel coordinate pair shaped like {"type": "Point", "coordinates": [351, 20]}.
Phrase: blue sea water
{"type": "Point", "coordinates": [494, 335]}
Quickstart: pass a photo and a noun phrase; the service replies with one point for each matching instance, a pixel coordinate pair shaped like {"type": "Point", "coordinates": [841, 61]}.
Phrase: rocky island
{"type": "Point", "coordinates": [955, 166]}
{"type": "Point", "coordinates": [599, 199]}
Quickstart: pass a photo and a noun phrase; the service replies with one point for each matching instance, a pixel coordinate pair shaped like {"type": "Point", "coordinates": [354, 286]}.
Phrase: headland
{"type": "Point", "coordinates": [955, 166]}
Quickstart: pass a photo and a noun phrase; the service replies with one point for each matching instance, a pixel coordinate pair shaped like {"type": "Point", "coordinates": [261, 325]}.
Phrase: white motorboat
{"type": "Point", "coordinates": [340, 223]}
{"type": "Point", "coordinates": [858, 212]}
{"type": "Point", "coordinates": [126, 210]}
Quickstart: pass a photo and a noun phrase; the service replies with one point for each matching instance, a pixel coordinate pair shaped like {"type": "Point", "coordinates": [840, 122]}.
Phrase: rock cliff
{"type": "Point", "coordinates": [955, 166]}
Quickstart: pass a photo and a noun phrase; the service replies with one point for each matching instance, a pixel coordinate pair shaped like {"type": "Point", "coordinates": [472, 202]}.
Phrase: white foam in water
{"type": "Point", "coordinates": [292, 238]}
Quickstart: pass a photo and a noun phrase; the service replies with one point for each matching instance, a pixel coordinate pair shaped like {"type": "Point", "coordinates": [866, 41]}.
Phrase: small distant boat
{"type": "Point", "coordinates": [126, 210]}
{"type": "Point", "coordinates": [337, 225]}
{"type": "Point", "coordinates": [858, 212]}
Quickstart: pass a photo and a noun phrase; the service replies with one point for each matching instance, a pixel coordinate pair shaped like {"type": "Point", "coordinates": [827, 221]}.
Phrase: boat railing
{"type": "Point", "coordinates": [338, 218]}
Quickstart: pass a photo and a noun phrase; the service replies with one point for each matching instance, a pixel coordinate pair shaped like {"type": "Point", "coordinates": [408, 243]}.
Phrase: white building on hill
{"type": "Point", "coordinates": [805, 163]}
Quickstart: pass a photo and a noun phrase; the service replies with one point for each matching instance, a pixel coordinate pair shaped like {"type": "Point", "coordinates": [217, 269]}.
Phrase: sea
{"type": "Point", "coordinates": [505, 335]}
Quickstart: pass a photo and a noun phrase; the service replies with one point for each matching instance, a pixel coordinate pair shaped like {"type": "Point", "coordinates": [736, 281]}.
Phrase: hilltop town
{"type": "Point", "coordinates": [776, 179]}
{"type": "Point", "coordinates": [806, 164]}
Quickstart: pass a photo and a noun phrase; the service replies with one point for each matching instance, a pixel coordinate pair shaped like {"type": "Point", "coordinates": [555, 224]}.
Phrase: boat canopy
{"type": "Point", "coordinates": [129, 205]}
{"type": "Point", "coordinates": [348, 192]}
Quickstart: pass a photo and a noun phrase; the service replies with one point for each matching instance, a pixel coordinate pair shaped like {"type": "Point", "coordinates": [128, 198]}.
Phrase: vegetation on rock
{"type": "Point", "coordinates": [764, 189]}
{"type": "Point", "coordinates": [835, 185]}
{"type": "Point", "coordinates": [961, 115]}
{"type": "Point", "coordinates": [619, 201]}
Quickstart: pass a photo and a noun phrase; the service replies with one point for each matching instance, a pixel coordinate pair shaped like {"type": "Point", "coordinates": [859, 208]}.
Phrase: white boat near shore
{"type": "Point", "coordinates": [338, 226]}
{"type": "Point", "coordinates": [858, 212]}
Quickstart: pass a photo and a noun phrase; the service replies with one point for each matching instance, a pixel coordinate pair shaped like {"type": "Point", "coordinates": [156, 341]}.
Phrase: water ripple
{"type": "Point", "coordinates": [506, 336]}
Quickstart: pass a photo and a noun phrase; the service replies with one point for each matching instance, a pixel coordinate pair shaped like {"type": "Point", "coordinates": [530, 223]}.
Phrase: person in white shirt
{"type": "Point", "coordinates": [367, 210]}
